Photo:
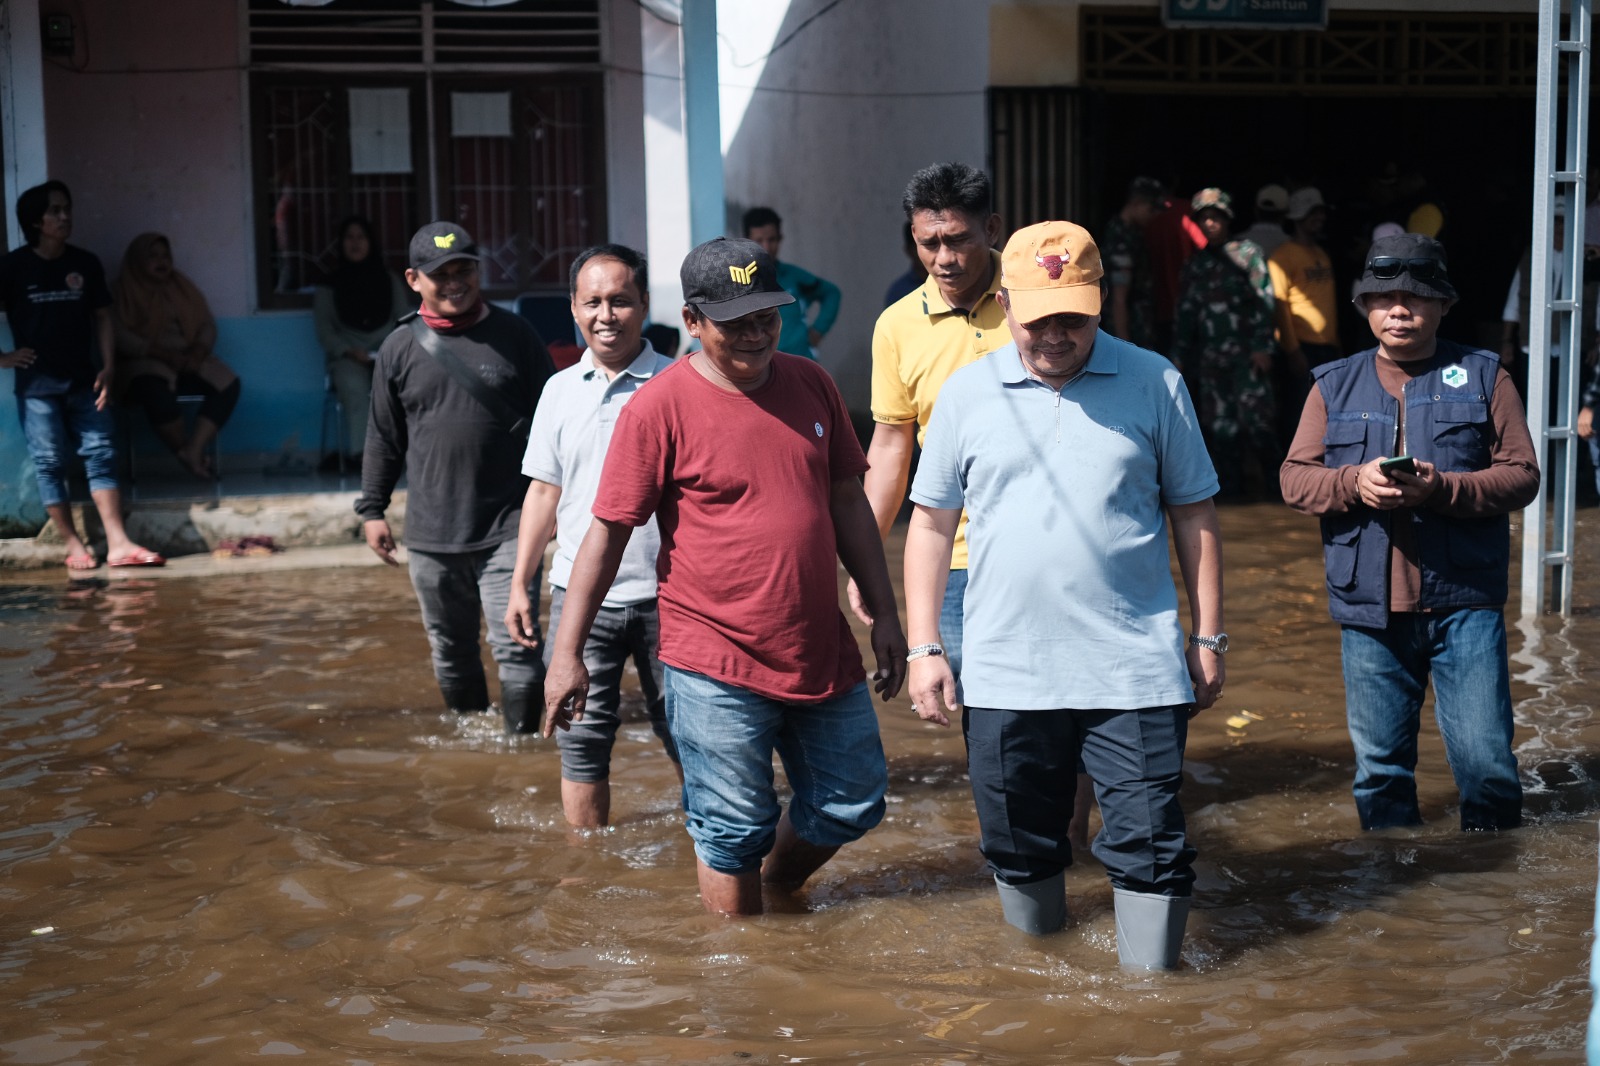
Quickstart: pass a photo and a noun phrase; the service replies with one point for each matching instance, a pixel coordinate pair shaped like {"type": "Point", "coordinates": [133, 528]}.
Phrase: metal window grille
{"type": "Point", "coordinates": [391, 32]}
{"type": "Point", "coordinates": [532, 200]}
{"type": "Point", "coordinates": [1360, 51]}
{"type": "Point", "coordinates": [1034, 160]}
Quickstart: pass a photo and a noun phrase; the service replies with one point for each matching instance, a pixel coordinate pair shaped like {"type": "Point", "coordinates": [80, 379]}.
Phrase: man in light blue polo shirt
{"type": "Point", "coordinates": [1071, 451]}
{"type": "Point", "coordinates": [567, 445]}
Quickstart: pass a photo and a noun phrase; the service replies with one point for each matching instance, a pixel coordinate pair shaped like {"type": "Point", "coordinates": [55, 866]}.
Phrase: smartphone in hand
{"type": "Point", "coordinates": [1402, 463]}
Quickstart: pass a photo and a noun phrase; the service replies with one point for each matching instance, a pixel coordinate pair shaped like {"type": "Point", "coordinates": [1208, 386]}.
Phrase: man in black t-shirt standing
{"type": "Point", "coordinates": [59, 310]}
{"type": "Point", "coordinates": [453, 390]}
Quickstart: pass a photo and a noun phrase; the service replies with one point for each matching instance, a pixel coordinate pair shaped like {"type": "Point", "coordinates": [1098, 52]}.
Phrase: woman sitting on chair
{"type": "Point", "coordinates": [165, 334]}
{"type": "Point", "coordinates": [354, 312]}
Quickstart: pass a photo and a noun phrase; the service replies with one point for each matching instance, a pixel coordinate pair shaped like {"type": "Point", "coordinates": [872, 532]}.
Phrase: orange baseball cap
{"type": "Point", "coordinates": [1051, 268]}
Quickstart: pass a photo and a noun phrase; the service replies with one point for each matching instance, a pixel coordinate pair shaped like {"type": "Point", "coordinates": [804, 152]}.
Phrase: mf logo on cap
{"type": "Point", "coordinates": [444, 240]}
{"type": "Point", "coordinates": [744, 275]}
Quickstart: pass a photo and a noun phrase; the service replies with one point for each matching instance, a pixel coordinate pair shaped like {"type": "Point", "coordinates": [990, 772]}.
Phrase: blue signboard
{"type": "Point", "coordinates": [1239, 14]}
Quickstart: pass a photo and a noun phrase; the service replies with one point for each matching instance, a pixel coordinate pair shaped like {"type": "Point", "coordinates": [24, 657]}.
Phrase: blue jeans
{"type": "Point", "coordinates": [1023, 766]}
{"type": "Point", "coordinates": [726, 735]}
{"type": "Point", "coordinates": [1385, 677]}
{"type": "Point", "coordinates": [1594, 458]}
{"type": "Point", "coordinates": [55, 427]}
{"type": "Point", "coordinates": [618, 635]}
{"type": "Point", "coordinates": [1593, 1042]}
{"type": "Point", "coordinates": [457, 589]}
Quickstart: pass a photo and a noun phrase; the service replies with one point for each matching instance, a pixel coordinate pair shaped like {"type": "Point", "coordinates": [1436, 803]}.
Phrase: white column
{"type": "Point", "coordinates": [22, 139]}
{"type": "Point", "coordinates": [666, 171]}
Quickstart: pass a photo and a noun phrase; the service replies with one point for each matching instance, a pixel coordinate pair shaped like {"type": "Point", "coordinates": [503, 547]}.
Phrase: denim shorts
{"type": "Point", "coordinates": [57, 426]}
{"type": "Point", "coordinates": [619, 634]}
{"type": "Point", "coordinates": [726, 735]}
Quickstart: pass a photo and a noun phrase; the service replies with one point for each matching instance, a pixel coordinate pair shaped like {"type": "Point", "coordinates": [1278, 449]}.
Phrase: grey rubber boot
{"type": "Point", "coordinates": [466, 699]}
{"type": "Point", "coordinates": [1149, 929]}
{"type": "Point", "coordinates": [1036, 908]}
{"type": "Point", "coordinates": [522, 706]}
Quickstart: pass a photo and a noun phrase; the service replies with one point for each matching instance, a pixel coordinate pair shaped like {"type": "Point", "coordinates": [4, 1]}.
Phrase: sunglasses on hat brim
{"type": "Point", "coordinates": [1389, 267]}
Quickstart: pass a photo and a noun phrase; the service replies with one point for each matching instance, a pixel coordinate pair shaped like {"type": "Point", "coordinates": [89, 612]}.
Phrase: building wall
{"type": "Point", "coordinates": [150, 136]}
{"type": "Point", "coordinates": [838, 119]}
{"type": "Point", "coordinates": [148, 124]}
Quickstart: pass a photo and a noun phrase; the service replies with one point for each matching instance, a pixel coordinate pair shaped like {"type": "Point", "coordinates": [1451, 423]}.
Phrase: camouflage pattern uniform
{"type": "Point", "coordinates": [1225, 312]}
{"type": "Point", "coordinates": [1127, 262]}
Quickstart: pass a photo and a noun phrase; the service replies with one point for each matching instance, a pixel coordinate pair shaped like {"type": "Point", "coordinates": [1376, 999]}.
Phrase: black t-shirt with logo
{"type": "Point", "coordinates": [50, 306]}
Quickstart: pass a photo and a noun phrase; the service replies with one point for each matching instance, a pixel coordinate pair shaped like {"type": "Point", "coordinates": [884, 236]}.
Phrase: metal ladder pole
{"type": "Point", "coordinates": [1555, 334]}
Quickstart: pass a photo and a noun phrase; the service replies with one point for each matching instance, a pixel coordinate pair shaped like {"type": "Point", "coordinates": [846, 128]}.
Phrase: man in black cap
{"type": "Point", "coordinates": [1413, 454]}
{"type": "Point", "coordinates": [747, 459]}
{"type": "Point", "coordinates": [453, 390]}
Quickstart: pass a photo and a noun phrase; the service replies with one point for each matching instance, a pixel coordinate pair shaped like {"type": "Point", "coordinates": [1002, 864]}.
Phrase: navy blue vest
{"type": "Point", "coordinates": [1464, 560]}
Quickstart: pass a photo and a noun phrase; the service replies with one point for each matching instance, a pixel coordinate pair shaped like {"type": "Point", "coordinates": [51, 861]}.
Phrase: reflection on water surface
{"type": "Point", "coordinates": [235, 825]}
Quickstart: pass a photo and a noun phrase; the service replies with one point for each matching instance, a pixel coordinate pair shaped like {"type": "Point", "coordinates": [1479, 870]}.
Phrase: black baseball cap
{"type": "Point", "coordinates": [730, 277]}
{"type": "Point", "coordinates": [437, 243]}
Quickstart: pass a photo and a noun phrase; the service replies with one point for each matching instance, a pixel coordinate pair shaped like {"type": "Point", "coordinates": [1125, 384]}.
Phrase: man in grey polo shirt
{"type": "Point", "coordinates": [1071, 451]}
{"type": "Point", "coordinates": [566, 450]}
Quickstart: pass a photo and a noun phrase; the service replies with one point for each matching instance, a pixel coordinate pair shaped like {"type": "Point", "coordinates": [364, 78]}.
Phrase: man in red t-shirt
{"type": "Point", "coordinates": [748, 460]}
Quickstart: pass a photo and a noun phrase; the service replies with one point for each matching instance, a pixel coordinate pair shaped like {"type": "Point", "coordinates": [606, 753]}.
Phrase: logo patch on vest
{"type": "Point", "coordinates": [1454, 376]}
{"type": "Point", "coordinates": [818, 427]}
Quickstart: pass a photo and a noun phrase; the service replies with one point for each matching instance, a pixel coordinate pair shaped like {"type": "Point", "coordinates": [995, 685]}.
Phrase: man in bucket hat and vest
{"type": "Point", "coordinates": [1072, 452]}
{"type": "Point", "coordinates": [747, 459]}
{"type": "Point", "coordinates": [1413, 454]}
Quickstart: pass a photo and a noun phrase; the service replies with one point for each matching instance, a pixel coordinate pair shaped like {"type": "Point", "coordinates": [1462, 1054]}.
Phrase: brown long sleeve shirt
{"type": "Point", "coordinates": [1508, 483]}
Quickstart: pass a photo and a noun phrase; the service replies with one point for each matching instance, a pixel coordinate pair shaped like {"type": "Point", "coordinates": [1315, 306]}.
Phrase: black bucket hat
{"type": "Point", "coordinates": [1408, 262]}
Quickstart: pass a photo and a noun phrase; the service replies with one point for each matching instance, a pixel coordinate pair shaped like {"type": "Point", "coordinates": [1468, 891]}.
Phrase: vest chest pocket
{"type": "Point", "coordinates": [1461, 435]}
{"type": "Point", "coordinates": [1344, 442]}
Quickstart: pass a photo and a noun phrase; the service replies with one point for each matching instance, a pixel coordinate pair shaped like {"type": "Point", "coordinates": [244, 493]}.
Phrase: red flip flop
{"type": "Point", "coordinates": [83, 561]}
{"type": "Point", "coordinates": [142, 557]}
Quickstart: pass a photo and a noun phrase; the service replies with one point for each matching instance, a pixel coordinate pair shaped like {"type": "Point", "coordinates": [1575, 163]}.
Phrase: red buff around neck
{"type": "Point", "coordinates": [453, 323]}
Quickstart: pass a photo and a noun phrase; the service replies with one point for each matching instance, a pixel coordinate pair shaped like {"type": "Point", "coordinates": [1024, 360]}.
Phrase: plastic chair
{"type": "Point", "coordinates": [550, 315]}
{"type": "Point", "coordinates": [190, 405]}
{"type": "Point", "coordinates": [332, 411]}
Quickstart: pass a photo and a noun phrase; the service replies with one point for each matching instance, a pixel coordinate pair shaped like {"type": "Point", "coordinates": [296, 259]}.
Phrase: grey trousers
{"type": "Point", "coordinates": [457, 589]}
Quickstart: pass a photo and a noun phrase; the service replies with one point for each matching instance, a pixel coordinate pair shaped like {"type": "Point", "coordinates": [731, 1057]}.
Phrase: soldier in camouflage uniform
{"type": "Point", "coordinates": [1223, 341]}
{"type": "Point", "coordinates": [1130, 306]}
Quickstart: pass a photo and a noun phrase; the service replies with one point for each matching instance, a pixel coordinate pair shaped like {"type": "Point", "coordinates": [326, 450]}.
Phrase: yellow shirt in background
{"type": "Point", "coordinates": [1302, 279]}
{"type": "Point", "coordinates": [918, 343]}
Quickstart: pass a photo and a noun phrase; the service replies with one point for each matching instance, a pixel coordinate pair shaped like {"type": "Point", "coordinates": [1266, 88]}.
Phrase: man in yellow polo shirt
{"type": "Point", "coordinates": [948, 321]}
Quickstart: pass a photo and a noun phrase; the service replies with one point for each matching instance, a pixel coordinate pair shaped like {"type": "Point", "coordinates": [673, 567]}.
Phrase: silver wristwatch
{"type": "Point", "coordinates": [1218, 643]}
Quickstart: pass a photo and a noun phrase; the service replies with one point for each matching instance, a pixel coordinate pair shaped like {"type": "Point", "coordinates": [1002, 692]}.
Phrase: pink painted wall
{"type": "Point", "coordinates": [149, 133]}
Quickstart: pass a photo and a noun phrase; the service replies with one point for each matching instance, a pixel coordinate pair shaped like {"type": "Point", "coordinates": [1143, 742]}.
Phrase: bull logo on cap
{"type": "Point", "coordinates": [744, 275]}
{"type": "Point", "coordinates": [444, 240]}
{"type": "Point", "coordinates": [1052, 264]}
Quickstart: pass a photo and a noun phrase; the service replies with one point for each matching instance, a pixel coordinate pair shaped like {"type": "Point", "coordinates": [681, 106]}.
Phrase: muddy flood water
{"type": "Point", "coordinates": [234, 825]}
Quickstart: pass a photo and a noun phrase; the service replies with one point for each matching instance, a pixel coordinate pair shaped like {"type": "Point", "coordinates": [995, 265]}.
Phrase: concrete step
{"type": "Point", "coordinates": [186, 527]}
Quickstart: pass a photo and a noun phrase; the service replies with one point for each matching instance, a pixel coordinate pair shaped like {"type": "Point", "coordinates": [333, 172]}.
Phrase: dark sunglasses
{"type": "Point", "coordinates": [1389, 267]}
